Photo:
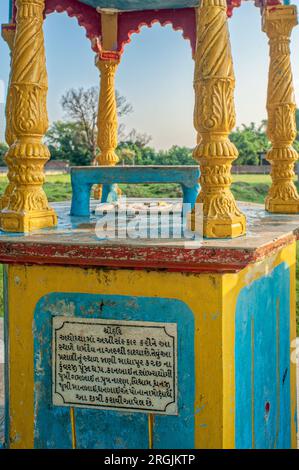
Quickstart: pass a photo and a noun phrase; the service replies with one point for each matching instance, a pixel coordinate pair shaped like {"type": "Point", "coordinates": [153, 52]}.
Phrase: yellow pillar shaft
{"type": "Point", "coordinates": [214, 118]}
{"type": "Point", "coordinates": [27, 208]}
{"type": "Point", "coordinates": [278, 23]}
{"type": "Point", "coordinates": [107, 117]}
{"type": "Point", "coordinates": [8, 35]}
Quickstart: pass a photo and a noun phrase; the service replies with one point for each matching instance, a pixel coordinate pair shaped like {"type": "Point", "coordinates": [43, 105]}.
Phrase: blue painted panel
{"type": "Point", "coordinates": [262, 363]}
{"type": "Point", "coordinates": [6, 356]}
{"type": "Point", "coordinates": [111, 429]}
{"type": "Point", "coordinates": [141, 4]}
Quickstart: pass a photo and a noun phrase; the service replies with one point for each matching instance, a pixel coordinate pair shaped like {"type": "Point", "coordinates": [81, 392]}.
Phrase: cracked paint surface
{"type": "Point", "coordinates": [104, 429]}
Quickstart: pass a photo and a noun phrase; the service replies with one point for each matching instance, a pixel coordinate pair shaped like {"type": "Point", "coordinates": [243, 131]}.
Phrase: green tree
{"type": "Point", "coordinates": [249, 140]}
{"type": "Point", "coordinates": [3, 150]}
{"type": "Point", "coordinates": [175, 156]}
{"type": "Point", "coordinates": [67, 141]}
{"type": "Point", "coordinates": [81, 107]}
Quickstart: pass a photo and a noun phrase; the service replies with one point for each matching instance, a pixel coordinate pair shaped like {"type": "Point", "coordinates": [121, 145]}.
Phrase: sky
{"type": "Point", "coordinates": [155, 73]}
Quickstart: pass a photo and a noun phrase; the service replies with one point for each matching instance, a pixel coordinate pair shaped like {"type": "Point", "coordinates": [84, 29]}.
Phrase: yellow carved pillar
{"type": "Point", "coordinates": [107, 116]}
{"type": "Point", "coordinates": [8, 34]}
{"type": "Point", "coordinates": [278, 23]}
{"type": "Point", "coordinates": [28, 208]}
{"type": "Point", "coordinates": [214, 118]}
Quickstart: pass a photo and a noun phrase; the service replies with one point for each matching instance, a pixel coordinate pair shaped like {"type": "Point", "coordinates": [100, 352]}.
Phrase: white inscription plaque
{"type": "Point", "coordinates": [117, 365]}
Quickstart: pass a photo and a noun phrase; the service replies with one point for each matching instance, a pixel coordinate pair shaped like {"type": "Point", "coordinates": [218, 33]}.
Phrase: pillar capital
{"type": "Point", "coordinates": [279, 21]}
{"type": "Point", "coordinates": [214, 3]}
{"type": "Point", "coordinates": [38, 3]}
{"type": "Point", "coordinates": [29, 8]}
{"type": "Point", "coordinates": [107, 67]}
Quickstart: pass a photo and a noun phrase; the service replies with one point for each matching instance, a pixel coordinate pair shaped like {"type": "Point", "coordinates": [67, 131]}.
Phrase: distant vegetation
{"type": "Point", "coordinates": [75, 139]}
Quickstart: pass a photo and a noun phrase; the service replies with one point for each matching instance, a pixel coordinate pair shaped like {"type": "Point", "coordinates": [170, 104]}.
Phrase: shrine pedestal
{"type": "Point", "coordinates": [139, 343]}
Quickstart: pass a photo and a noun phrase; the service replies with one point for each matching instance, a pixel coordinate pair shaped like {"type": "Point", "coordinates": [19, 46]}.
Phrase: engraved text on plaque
{"type": "Point", "coordinates": [118, 365]}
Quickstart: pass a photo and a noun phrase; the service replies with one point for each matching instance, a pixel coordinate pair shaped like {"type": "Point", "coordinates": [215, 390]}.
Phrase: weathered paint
{"type": "Point", "coordinates": [6, 354]}
{"type": "Point", "coordinates": [74, 242]}
{"type": "Point", "coordinates": [212, 298]}
{"type": "Point", "coordinates": [110, 429]}
{"type": "Point", "coordinates": [262, 358]}
{"type": "Point", "coordinates": [83, 178]}
{"type": "Point", "coordinates": [34, 282]}
{"type": "Point", "coordinates": [261, 272]}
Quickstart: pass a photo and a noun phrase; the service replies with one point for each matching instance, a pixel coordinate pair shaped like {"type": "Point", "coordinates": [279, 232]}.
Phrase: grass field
{"type": "Point", "coordinates": [252, 188]}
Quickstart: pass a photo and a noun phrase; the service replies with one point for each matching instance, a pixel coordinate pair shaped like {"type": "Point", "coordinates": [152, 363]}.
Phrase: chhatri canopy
{"type": "Point", "coordinates": [142, 5]}
{"type": "Point", "coordinates": [131, 15]}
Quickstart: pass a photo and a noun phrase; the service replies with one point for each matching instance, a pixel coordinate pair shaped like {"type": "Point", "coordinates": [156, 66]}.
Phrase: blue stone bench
{"type": "Point", "coordinates": [83, 178]}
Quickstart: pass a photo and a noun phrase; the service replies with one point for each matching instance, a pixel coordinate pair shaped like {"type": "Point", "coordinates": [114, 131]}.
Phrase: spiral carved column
{"type": "Point", "coordinates": [214, 118]}
{"type": "Point", "coordinates": [283, 197]}
{"type": "Point", "coordinates": [8, 34]}
{"type": "Point", "coordinates": [107, 117]}
{"type": "Point", "coordinates": [27, 207]}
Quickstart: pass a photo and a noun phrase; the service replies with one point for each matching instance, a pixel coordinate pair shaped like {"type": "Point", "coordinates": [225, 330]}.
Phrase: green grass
{"type": "Point", "coordinates": [252, 179]}
{"type": "Point", "coordinates": [252, 188]}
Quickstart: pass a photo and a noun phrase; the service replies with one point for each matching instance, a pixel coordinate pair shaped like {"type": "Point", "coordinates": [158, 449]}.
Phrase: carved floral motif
{"type": "Point", "coordinates": [8, 34]}
{"type": "Point", "coordinates": [107, 117]}
{"type": "Point", "coordinates": [26, 206]}
{"type": "Point", "coordinates": [214, 118]}
{"type": "Point", "coordinates": [278, 24]}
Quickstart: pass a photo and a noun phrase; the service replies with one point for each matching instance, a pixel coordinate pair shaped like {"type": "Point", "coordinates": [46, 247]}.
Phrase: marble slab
{"type": "Point", "coordinates": [75, 242]}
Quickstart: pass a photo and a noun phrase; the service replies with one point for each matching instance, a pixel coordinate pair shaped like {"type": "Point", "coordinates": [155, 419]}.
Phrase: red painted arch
{"type": "Point", "coordinates": [131, 22]}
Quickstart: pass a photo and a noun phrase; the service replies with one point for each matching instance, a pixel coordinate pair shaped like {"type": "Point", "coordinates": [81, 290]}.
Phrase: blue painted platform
{"type": "Point", "coordinates": [83, 178]}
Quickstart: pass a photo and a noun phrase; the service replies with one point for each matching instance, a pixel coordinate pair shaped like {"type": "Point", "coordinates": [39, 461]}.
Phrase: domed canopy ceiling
{"type": "Point", "coordinates": [129, 5]}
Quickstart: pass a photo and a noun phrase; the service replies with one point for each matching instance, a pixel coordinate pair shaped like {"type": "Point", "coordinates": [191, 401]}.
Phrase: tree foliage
{"type": "Point", "coordinates": [250, 141]}
{"type": "Point", "coordinates": [81, 109]}
{"type": "Point", "coordinates": [68, 141]}
{"type": "Point", "coordinates": [75, 139]}
{"type": "Point", "coordinates": [3, 150]}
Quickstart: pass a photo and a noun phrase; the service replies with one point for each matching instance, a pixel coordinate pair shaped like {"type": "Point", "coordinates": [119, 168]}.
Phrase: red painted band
{"type": "Point", "coordinates": [169, 258]}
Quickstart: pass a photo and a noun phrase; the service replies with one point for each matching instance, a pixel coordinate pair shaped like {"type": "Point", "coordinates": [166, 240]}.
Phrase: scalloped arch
{"type": "Point", "coordinates": [130, 22]}
{"type": "Point", "coordinates": [181, 20]}
{"type": "Point", "coordinates": [87, 16]}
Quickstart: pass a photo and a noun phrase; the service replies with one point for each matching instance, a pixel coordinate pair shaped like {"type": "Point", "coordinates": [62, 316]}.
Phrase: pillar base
{"type": "Point", "coordinates": [277, 206]}
{"type": "Point", "coordinates": [217, 228]}
{"type": "Point", "coordinates": [26, 221]}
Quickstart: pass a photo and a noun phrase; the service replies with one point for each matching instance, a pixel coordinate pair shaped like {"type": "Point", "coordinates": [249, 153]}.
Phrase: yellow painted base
{"type": "Point", "coordinates": [212, 299]}
{"type": "Point", "coordinates": [282, 207]}
{"type": "Point", "coordinates": [27, 221]}
{"type": "Point", "coordinates": [218, 228]}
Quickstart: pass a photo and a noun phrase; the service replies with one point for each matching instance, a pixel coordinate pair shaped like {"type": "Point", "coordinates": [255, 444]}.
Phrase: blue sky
{"type": "Point", "coordinates": [156, 73]}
